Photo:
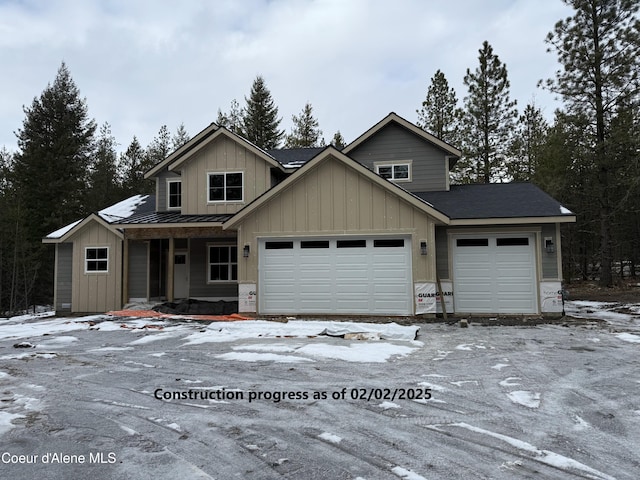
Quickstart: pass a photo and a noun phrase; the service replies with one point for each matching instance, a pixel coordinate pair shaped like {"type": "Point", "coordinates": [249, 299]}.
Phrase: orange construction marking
{"type": "Point", "coordinates": [153, 314]}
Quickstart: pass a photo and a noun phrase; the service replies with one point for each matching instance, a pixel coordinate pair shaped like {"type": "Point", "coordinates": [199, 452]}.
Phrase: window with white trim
{"type": "Point", "coordinates": [225, 187]}
{"type": "Point", "coordinates": [96, 260]}
{"type": "Point", "coordinates": [395, 171]}
{"type": "Point", "coordinates": [174, 194]}
{"type": "Point", "coordinates": [222, 263]}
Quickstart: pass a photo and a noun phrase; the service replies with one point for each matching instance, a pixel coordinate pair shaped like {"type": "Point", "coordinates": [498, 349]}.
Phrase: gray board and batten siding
{"type": "Point", "coordinates": [64, 274]}
{"type": "Point", "coordinates": [138, 270]}
{"type": "Point", "coordinates": [199, 287]}
{"type": "Point", "coordinates": [161, 189]}
{"type": "Point", "coordinates": [393, 143]}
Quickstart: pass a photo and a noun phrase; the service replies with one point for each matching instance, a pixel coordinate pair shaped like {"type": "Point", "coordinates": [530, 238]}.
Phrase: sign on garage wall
{"type": "Point", "coordinates": [551, 297]}
{"type": "Point", "coordinates": [425, 298]}
{"type": "Point", "coordinates": [247, 297]}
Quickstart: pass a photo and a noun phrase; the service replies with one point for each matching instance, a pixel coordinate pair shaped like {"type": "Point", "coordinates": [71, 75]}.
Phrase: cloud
{"type": "Point", "coordinates": [147, 63]}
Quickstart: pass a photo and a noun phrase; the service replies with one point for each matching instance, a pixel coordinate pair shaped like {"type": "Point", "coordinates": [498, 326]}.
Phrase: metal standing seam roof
{"type": "Point", "coordinates": [495, 200]}
{"type": "Point", "coordinates": [155, 218]}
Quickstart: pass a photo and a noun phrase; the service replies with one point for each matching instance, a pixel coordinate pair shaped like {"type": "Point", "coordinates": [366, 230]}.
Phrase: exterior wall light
{"type": "Point", "coordinates": [245, 250]}
{"type": "Point", "coordinates": [423, 247]}
{"type": "Point", "coordinates": [549, 245]}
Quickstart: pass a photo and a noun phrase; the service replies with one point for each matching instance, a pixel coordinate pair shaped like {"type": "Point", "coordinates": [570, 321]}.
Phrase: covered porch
{"type": "Point", "coordinates": [173, 262]}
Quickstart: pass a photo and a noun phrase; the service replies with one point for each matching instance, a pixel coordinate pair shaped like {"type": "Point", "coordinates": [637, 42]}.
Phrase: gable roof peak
{"type": "Point", "coordinates": [393, 117]}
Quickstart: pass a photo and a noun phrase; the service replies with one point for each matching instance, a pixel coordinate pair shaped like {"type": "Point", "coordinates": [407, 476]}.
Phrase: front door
{"type": "Point", "coordinates": [180, 274]}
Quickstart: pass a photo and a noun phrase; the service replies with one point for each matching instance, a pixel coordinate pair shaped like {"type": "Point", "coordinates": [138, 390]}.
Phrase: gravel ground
{"type": "Point", "coordinates": [483, 402]}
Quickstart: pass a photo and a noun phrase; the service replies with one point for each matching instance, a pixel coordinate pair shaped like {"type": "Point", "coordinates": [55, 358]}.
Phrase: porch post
{"type": "Point", "coordinates": [170, 269]}
{"type": "Point", "coordinates": [125, 270]}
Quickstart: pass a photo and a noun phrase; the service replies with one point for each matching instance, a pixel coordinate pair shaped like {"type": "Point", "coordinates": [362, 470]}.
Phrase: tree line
{"type": "Point", "coordinates": [587, 157]}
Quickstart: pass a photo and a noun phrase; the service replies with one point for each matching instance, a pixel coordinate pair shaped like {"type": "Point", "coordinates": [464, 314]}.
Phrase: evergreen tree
{"type": "Point", "coordinates": [305, 131]}
{"type": "Point", "coordinates": [487, 121]}
{"type": "Point", "coordinates": [134, 163]}
{"type": "Point", "coordinates": [50, 172]}
{"type": "Point", "coordinates": [160, 146]}
{"type": "Point", "coordinates": [599, 50]}
{"type": "Point", "coordinates": [180, 137]}
{"type": "Point", "coordinates": [440, 114]}
{"type": "Point", "coordinates": [104, 179]}
{"type": "Point", "coordinates": [527, 144]}
{"type": "Point", "coordinates": [232, 120]}
{"type": "Point", "coordinates": [260, 122]}
{"type": "Point", "coordinates": [338, 141]}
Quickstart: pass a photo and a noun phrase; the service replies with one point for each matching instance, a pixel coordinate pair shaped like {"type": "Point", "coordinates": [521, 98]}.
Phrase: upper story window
{"type": "Point", "coordinates": [174, 194]}
{"type": "Point", "coordinates": [396, 171]}
{"type": "Point", "coordinates": [225, 187]}
{"type": "Point", "coordinates": [96, 260]}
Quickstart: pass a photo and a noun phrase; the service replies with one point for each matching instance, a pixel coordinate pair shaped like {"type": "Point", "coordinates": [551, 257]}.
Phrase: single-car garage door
{"type": "Point", "coordinates": [341, 275]}
{"type": "Point", "coordinates": [494, 274]}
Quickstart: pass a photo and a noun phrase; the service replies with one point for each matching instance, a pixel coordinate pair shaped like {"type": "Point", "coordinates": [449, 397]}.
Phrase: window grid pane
{"type": "Point", "coordinates": [223, 263]}
{"type": "Point", "coordinates": [225, 187]}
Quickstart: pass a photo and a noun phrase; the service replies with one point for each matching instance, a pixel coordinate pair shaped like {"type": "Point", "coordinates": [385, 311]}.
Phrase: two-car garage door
{"type": "Point", "coordinates": [336, 275]}
{"type": "Point", "coordinates": [494, 274]}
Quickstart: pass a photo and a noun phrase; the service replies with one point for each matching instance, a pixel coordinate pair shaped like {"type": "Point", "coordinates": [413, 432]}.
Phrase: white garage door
{"type": "Point", "coordinates": [335, 276]}
{"type": "Point", "coordinates": [494, 274]}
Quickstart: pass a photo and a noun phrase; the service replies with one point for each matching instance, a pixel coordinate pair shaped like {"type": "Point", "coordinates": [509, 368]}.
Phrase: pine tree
{"type": "Point", "coordinates": [260, 122]}
{"type": "Point", "coordinates": [180, 137]}
{"type": "Point", "coordinates": [527, 144]}
{"type": "Point", "coordinates": [487, 121]}
{"type": "Point", "coordinates": [599, 50]}
{"type": "Point", "coordinates": [50, 172]}
{"type": "Point", "coordinates": [104, 179]}
{"type": "Point", "coordinates": [338, 141]}
{"type": "Point", "coordinates": [232, 120]}
{"type": "Point", "coordinates": [305, 131]}
{"type": "Point", "coordinates": [134, 163]}
{"type": "Point", "coordinates": [160, 146]}
{"type": "Point", "coordinates": [440, 114]}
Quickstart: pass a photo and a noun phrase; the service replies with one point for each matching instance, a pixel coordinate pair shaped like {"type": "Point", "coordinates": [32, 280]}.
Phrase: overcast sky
{"type": "Point", "coordinates": [144, 63]}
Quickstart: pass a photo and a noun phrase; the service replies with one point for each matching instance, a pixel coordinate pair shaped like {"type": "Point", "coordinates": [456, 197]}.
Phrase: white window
{"type": "Point", "coordinates": [225, 187]}
{"type": "Point", "coordinates": [174, 194]}
{"type": "Point", "coordinates": [395, 171]}
{"type": "Point", "coordinates": [96, 260]}
{"type": "Point", "coordinates": [223, 263]}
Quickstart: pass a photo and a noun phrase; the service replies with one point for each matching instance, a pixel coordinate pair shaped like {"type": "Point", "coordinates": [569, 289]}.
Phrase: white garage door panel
{"type": "Point", "coordinates": [336, 275]}
{"type": "Point", "coordinates": [494, 274]}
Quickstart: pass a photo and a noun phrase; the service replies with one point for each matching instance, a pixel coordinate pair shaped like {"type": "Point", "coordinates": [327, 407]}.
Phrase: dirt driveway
{"type": "Point", "coordinates": [254, 401]}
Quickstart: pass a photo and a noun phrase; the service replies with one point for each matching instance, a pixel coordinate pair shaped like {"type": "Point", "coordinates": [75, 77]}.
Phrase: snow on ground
{"type": "Point", "coordinates": [613, 313]}
{"type": "Point", "coordinates": [299, 400]}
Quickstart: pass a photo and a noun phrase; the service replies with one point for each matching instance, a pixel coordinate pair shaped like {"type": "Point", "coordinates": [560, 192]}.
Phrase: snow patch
{"type": "Point", "coordinates": [406, 474]}
{"type": "Point", "coordinates": [565, 211]}
{"type": "Point", "coordinates": [523, 397]}
{"type": "Point", "coordinates": [545, 456]}
{"type": "Point", "coordinates": [629, 337]}
{"type": "Point", "coordinates": [388, 405]}
{"type": "Point", "coordinates": [509, 382]}
{"type": "Point", "coordinates": [500, 366]}
{"type": "Point", "coordinates": [261, 357]}
{"type": "Point", "coordinates": [6, 421]}
{"type": "Point", "coordinates": [269, 348]}
{"type": "Point", "coordinates": [123, 209]}
{"type": "Point", "coordinates": [357, 352]}
{"type": "Point", "coordinates": [296, 328]}
{"type": "Point", "coordinates": [330, 437]}
{"type": "Point", "coordinates": [61, 232]}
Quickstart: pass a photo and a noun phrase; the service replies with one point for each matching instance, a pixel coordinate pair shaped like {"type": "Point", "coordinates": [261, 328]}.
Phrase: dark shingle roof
{"type": "Point", "coordinates": [294, 157]}
{"type": "Point", "coordinates": [494, 200]}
